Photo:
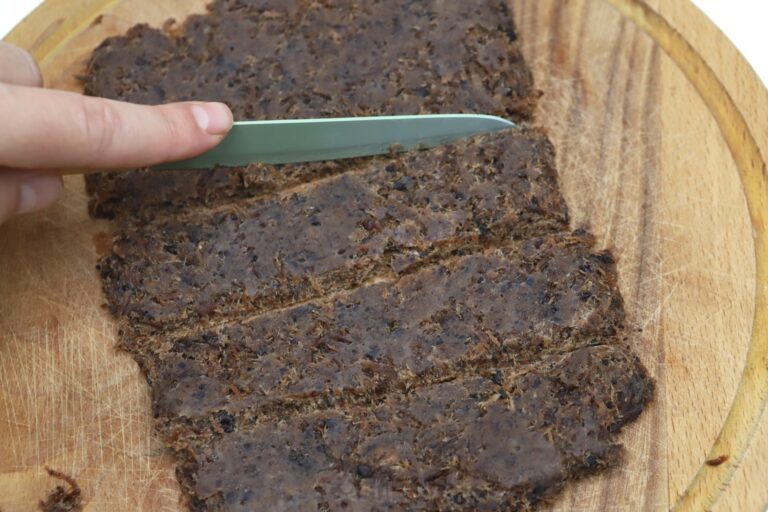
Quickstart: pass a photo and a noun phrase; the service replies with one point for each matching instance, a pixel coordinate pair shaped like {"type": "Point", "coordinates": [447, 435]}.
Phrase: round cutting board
{"type": "Point", "coordinates": [660, 127]}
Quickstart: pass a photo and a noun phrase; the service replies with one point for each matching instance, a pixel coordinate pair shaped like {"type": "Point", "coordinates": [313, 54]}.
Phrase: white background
{"type": "Point", "coordinates": [743, 21]}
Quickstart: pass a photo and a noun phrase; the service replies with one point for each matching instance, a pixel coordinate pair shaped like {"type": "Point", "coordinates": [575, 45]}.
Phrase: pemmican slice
{"type": "Point", "coordinates": [504, 439]}
{"type": "Point", "coordinates": [277, 59]}
{"type": "Point", "coordinates": [334, 234]}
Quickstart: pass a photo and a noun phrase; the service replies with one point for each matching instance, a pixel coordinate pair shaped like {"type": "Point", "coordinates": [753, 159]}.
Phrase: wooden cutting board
{"type": "Point", "coordinates": [660, 127]}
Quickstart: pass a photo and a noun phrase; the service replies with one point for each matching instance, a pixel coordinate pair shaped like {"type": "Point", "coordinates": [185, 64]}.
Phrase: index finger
{"type": "Point", "coordinates": [50, 129]}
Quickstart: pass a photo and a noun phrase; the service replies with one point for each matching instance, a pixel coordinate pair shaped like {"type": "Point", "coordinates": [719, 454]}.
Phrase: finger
{"type": "Point", "coordinates": [25, 192]}
{"type": "Point", "coordinates": [46, 129]}
{"type": "Point", "coordinates": [18, 67]}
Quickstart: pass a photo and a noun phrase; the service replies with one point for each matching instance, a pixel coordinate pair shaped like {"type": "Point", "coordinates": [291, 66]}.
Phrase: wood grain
{"type": "Point", "coordinates": [660, 128]}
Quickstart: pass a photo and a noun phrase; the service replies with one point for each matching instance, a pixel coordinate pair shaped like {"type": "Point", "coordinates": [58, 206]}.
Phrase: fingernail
{"type": "Point", "coordinates": [213, 118]}
{"type": "Point", "coordinates": [38, 192]}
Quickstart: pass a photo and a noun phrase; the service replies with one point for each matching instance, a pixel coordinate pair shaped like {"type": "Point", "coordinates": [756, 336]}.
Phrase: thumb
{"type": "Point", "coordinates": [49, 129]}
{"type": "Point", "coordinates": [25, 191]}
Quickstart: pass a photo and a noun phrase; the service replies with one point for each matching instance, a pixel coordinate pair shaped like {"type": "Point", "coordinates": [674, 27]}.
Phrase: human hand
{"type": "Point", "coordinates": [43, 130]}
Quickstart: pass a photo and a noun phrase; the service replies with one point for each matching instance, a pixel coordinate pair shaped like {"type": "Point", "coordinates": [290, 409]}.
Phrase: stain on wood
{"type": "Point", "coordinates": [102, 242]}
{"type": "Point", "coordinates": [717, 460]}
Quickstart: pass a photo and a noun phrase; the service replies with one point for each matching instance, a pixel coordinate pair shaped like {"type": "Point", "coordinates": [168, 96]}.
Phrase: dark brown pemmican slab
{"type": "Point", "coordinates": [502, 441]}
{"type": "Point", "coordinates": [278, 59]}
{"type": "Point", "coordinates": [334, 234]}
{"type": "Point", "coordinates": [512, 304]}
{"type": "Point", "coordinates": [410, 332]}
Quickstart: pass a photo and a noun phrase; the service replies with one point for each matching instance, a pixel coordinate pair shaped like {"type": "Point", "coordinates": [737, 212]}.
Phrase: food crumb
{"type": "Point", "coordinates": [61, 499]}
{"type": "Point", "coordinates": [169, 26]}
{"type": "Point", "coordinates": [717, 460]}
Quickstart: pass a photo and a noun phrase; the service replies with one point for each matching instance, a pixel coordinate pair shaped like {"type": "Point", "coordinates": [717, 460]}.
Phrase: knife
{"type": "Point", "coordinates": [309, 140]}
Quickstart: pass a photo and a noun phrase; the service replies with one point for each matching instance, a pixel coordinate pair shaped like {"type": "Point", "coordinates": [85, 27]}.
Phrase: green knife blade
{"type": "Point", "coordinates": [309, 140]}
